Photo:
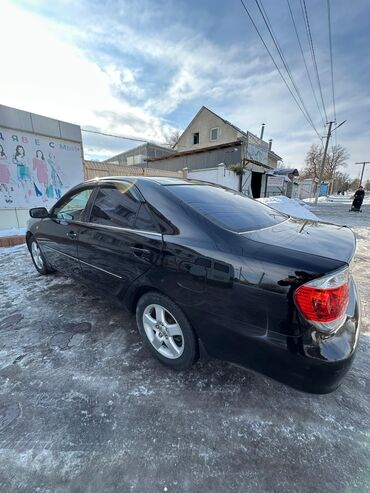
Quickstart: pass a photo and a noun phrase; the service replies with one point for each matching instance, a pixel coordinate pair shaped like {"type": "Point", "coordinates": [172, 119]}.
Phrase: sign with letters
{"type": "Point", "coordinates": [275, 181]}
{"type": "Point", "coordinates": [36, 170]}
{"type": "Point", "coordinates": [257, 149]}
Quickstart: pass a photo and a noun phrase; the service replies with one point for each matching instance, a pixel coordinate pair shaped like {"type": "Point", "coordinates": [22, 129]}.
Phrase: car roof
{"type": "Point", "coordinates": [160, 180]}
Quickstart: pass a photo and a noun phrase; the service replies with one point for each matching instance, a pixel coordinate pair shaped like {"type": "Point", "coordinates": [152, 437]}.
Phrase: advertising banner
{"type": "Point", "coordinates": [257, 149]}
{"type": "Point", "coordinates": [36, 170]}
{"type": "Point", "coordinates": [275, 181]}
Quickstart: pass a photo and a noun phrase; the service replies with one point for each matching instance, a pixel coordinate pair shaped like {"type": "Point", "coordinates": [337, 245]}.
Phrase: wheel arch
{"type": "Point", "coordinates": [132, 299]}
{"type": "Point", "coordinates": [134, 294]}
{"type": "Point", "coordinates": [28, 238]}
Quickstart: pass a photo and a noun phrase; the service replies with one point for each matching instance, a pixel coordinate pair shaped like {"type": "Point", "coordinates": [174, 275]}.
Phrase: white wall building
{"type": "Point", "coordinates": [209, 140]}
{"type": "Point", "coordinates": [40, 159]}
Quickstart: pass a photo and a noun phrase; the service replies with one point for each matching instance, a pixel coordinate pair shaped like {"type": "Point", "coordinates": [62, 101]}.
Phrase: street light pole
{"type": "Point", "coordinates": [364, 163]}
{"type": "Point", "coordinates": [323, 162]}
{"type": "Point", "coordinates": [322, 167]}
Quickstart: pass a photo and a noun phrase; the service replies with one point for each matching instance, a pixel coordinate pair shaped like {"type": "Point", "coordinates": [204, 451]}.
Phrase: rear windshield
{"type": "Point", "coordinates": [228, 209]}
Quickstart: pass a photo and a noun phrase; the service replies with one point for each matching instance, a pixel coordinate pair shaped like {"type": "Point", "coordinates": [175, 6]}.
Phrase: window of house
{"type": "Point", "coordinates": [72, 208]}
{"type": "Point", "coordinates": [214, 134]}
{"type": "Point", "coordinates": [196, 138]}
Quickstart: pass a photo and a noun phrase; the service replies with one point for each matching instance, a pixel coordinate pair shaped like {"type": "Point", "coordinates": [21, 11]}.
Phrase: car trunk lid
{"type": "Point", "coordinates": [316, 238]}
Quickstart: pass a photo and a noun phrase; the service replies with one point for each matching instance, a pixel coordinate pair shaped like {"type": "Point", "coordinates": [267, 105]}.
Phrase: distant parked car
{"type": "Point", "coordinates": [210, 271]}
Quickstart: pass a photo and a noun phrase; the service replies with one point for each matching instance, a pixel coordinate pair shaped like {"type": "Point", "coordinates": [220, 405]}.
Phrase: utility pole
{"type": "Point", "coordinates": [322, 167]}
{"type": "Point", "coordinates": [323, 162]}
{"type": "Point", "coordinates": [364, 163]}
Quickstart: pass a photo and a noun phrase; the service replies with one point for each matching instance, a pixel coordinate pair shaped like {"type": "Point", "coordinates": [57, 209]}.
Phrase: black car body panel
{"type": "Point", "coordinates": [310, 237]}
{"type": "Point", "coordinates": [236, 289]}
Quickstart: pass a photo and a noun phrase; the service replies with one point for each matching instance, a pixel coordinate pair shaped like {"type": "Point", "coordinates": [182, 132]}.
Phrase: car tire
{"type": "Point", "coordinates": [38, 258]}
{"type": "Point", "coordinates": [166, 331]}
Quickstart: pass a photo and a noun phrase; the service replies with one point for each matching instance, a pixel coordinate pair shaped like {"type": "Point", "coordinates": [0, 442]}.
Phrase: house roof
{"type": "Point", "coordinates": [196, 151]}
{"type": "Point", "coordinates": [245, 134]}
{"type": "Point", "coordinates": [133, 149]}
{"type": "Point", "coordinates": [286, 171]}
{"type": "Point", "coordinates": [215, 114]}
{"type": "Point", "coordinates": [278, 158]}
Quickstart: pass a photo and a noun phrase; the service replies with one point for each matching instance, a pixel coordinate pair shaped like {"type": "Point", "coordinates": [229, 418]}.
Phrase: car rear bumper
{"type": "Point", "coordinates": [311, 362]}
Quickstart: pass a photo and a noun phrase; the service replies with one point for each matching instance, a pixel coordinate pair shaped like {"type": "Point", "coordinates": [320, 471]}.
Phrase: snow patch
{"type": "Point", "coordinates": [13, 249]}
{"type": "Point", "coordinates": [292, 207]}
{"type": "Point", "coordinates": [324, 198]}
{"type": "Point", "coordinates": [12, 232]}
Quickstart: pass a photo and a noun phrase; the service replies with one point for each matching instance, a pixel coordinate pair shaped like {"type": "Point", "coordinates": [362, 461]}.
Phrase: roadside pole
{"type": "Point", "coordinates": [322, 167]}
{"type": "Point", "coordinates": [364, 163]}
{"type": "Point", "coordinates": [323, 163]}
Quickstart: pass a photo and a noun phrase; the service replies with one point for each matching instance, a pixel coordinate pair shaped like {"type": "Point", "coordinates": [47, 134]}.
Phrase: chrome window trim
{"type": "Point", "coordinates": [118, 228]}
{"type": "Point", "coordinates": [83, 262]}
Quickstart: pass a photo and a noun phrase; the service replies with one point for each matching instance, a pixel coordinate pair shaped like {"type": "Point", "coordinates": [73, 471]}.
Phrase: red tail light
{"type": "Point", "coordinates": [324, 301]}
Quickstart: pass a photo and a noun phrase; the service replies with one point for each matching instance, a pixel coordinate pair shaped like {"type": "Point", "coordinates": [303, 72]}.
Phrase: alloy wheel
{"type": "Point", "coordinates": [163, 331]}
{"type": "Point", "coordinates": [36, 255]}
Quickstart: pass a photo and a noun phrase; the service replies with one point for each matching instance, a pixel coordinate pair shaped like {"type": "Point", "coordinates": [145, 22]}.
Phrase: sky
{"type": "Point", "coordinates": [143, 68]}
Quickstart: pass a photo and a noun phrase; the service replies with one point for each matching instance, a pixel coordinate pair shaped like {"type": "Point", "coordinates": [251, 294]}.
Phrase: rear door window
{"type": "Point", "coordinates": [230, 210]}
{"type": "Point", "coordinates": [116, 205]}
{"type": "Point", "coordinates": [144, 220]}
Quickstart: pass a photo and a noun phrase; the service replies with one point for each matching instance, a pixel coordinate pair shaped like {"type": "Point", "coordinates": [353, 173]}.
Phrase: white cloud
{"type": "Point", "coordinates": [47, 71]}
{"type": "Point", "coordinates": [43, 74]}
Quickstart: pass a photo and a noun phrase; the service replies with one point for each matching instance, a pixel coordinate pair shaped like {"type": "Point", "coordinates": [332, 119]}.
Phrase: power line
{"type": "Point", "coordinates": [120, 136]}
{"type": "Point", "coordinates": [331, 60]}
{"type": "Point", "coordinates": [276, 66]}
{"type": "Point", "coordinates": [304, 61]}
{"type": "Point", "coordinates": [312, 49]}
{"type": "Point", "coordinates": [281, 54]}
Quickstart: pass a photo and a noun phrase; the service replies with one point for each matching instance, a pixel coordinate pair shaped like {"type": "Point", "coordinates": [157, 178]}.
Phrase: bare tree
{"type": "Point", "coordinates": [367, 185]}
{"type": "Point", "coordinates": [341, 181]}
{"type": "Point", "coordinates": [354, 184]}
{"type": "Point", "coordinates": [336, 158]}
{"type": "Point", "coordinates": [173, 138]}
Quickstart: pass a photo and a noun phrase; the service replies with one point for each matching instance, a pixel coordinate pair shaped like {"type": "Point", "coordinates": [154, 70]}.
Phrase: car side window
{"type": "Point", "coordinates": [73, 207]}
{"type": "Point", "coordinates": [115, 206]}
{"type": "Point", "coordinates": [144, 220]}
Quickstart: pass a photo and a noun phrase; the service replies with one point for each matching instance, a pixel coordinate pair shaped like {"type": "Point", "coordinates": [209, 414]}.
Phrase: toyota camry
{"type": "Point", "coordinates": [210, 272]}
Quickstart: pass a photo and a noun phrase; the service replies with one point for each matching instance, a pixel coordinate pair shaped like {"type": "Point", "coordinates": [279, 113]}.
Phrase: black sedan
{"type": "Point", "coordinates": [209, 271]}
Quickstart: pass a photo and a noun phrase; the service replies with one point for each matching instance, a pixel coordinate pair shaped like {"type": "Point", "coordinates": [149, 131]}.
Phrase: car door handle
{"type": "Point", "coordinates": [72, 235]}
{"type": "Point", "coordinates": [142, 253]}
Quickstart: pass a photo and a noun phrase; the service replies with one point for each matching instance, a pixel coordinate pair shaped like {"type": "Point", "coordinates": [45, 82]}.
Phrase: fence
{"type": "Point", "coordinates": [95, 169]}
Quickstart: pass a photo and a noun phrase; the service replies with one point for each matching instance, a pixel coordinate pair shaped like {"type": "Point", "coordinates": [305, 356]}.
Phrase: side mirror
{"type": "Point", "coordinates": [39, 213]}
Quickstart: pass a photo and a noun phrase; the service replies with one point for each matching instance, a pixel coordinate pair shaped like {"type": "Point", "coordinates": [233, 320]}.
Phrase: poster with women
{"type": "Point", "coordinates": [36, 170]}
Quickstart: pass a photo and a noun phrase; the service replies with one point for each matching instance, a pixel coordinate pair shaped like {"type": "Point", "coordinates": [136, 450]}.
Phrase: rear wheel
{"type": "Point", "coordinates": [38, 258]}
{"type": "Point", "coordinates": [166, 331]}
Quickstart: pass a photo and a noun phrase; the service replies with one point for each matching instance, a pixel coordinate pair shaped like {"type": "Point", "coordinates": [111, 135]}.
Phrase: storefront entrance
{"type": "Point", "coordinates": [256, 184]}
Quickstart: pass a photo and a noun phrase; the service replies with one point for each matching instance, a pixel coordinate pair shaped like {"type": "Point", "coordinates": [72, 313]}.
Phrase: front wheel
{"type": "Point", "coordinates": [166, 331]}
{"type": "Point", "coordinates": [38, 258]}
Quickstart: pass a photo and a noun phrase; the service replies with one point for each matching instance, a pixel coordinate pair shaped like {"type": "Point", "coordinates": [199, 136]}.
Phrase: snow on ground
{"type": "Point", "coordinates": [12, 232]}
{"type": "Point", "coordinates": [292, 207]}
{"type": "Point", "coordinates": [312, 199]}
{"type": "Point", "coordinates": [84, 407]}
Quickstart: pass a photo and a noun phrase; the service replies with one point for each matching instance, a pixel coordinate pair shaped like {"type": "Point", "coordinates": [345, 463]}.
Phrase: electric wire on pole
{"type": "Point", "coordinates": [125, 137]}
{"type": "Point", "coordinates": [282, 57]}
{"type": "Point", "coordinates": [277, 67]}
{"type": "Point", "coordinates": [322, 167]}
{"type": "Point", "coordinates": [305, 61]}
{"type": "Point", "coordinates": [331, 61]}
{"type": "Point", "coordinates": [312, 50]}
